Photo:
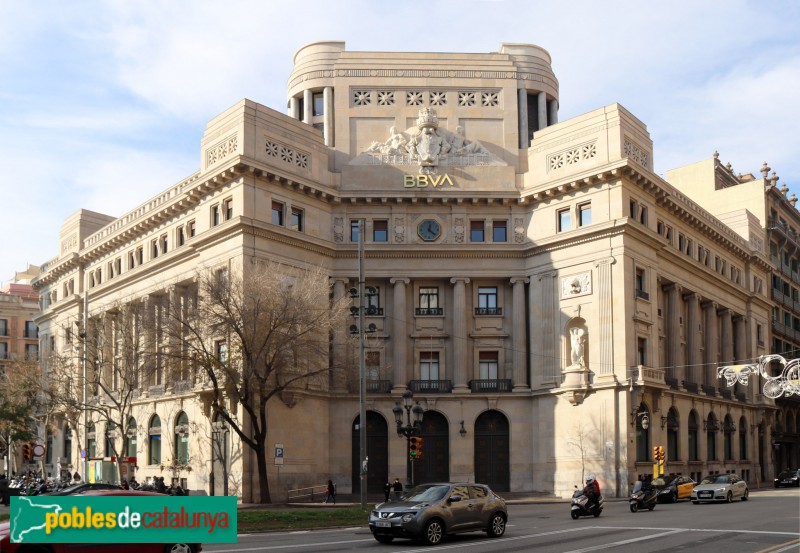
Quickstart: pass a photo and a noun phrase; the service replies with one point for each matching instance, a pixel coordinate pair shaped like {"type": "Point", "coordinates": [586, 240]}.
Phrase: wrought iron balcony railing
{"type": "Point", "coordinates": [488, 310]}
{"type": "Point", "coordinates": [429, 311]}
{"type": "Point", "coordinates": [490, 385]}
{"type": "Point", "coordinates": [431, 386]}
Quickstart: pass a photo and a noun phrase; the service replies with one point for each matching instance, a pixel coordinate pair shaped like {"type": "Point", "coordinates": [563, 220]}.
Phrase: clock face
{"type": "Point", "coordinates": [429, 230]}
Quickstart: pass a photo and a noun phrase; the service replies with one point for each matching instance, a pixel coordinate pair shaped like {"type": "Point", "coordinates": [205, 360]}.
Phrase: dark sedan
{"type": "Point", "coordinates": [83, 488]}
{"type": "Point", "coordinates": [788, 478]}
{"type": "Point", "coordinates": [673, 488]}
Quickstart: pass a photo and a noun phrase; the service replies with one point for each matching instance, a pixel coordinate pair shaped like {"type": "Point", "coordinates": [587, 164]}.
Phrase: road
{"type": "Point", "coordinates": [768, 523]}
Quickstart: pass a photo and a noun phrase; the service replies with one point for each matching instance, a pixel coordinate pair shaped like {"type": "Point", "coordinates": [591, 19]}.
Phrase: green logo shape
{"type": "Point", "coordinates": [123, 519]}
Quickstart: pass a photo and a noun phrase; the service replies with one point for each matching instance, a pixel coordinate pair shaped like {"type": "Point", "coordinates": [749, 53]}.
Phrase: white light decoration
{"type": "Point", "coordinates": [787, 382]}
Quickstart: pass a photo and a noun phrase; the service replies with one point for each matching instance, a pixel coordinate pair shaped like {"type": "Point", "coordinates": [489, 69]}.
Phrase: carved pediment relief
{"type": "Point", "coordinates": [427, 146]}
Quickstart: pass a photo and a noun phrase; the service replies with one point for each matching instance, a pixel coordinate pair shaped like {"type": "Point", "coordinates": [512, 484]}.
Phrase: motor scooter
{"type": "Point", "coordinates": [643, 497]}
{"type": "Point", "coordinates": [580, 505]}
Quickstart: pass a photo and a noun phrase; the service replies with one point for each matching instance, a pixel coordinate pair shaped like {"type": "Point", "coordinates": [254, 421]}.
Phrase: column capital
{"type": "Point", "coordinates": [710, 305]}
{"type": "Point", "coordinates": [673, 287]}
{"type": "Point", "coordinates": [691, 296]}
{"type": "Point", "coordinates": [456, 280]}
{"type": "Point", "coordinates": [546, 274]}
{"type": "Point", "coordinates": [399, 280]}
{"type": "Point", "coordinates": [343, 280]}
{"type": "Point", "coordinates": [521, 280]}
{"type": "Point", "coordinates": [605, 261]}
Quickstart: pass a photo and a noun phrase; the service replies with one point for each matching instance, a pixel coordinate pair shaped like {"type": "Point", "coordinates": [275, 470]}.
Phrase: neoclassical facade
{"type": "Point", "coordinates": [555, 306]}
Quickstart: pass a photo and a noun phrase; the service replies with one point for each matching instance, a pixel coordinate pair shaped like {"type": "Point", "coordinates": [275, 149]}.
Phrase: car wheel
{"type": "Point", "coordinates": [695, 502]}
{"type": "Point", "coordinates": [433, 532]}
{"type": "Point", "coordinates": [597, 513]}
{"type": "Point", "coordinates": [729, 497]}
{"type": "Point", "coordinates": [383, 539]}
{"type": "Point", "coordinates": [651, 507]}
{"type": "Point", "coordinates": [574, 515]}
{"type": "Point", "coordinates": [634, 507]}
{"type": "Point", "coordinates": [178, 548]}
{"type": "Point", "coordinates": [746, 495]}
{"type": "Point", "coordinates": [497, 525]}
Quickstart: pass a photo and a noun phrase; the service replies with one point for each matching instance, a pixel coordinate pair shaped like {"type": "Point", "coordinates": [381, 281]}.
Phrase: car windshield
{"type": "Point", "coordinates": [716, 479]}
{"type": "Point", "coordinates": [787, 474]}
{"type": "Point", "coordinates": [426, 493]}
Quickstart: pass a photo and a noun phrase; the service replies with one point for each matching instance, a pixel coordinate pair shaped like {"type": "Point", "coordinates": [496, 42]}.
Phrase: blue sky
{"type": "Point", "coordinates": [103, 104]}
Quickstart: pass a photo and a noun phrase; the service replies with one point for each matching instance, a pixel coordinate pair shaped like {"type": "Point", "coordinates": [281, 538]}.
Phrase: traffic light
{"type": "Point", "coordinates": [27, 452]}
{"type": "Point", "coordinates": [420, 441]}
{"type": "Point", "coordinates": [661, 454]}
{"type": "Point", "coordinates": [656, 455]}
{"type": "Point", "coordinates": [415, 447]}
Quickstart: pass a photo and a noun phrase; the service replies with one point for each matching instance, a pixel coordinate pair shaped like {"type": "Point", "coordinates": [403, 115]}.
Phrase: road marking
{"type": "Point", "coordinates": [623, 542]}
{"type": "Point", "coordinates": [783, 547]}
{"type": "Point", "coordinates": [298, 546]}
{"type": "Point", "coordinates": [720, 531]}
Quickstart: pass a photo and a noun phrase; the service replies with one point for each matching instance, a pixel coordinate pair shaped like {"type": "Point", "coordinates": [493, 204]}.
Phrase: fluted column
{"type": "Point", "coordinates": [674, 361]}
{"type": "Point", "coordinates": [542, 105]}
{"type": "Point", "coordinates": [728, 356]}
{"type": "Point", "coordinates": [460, 334]}
{"type": "Point", "coordinates": [399, 334]}
{"type": "Point", "coordinates": [522, 103]}
{"type": "Point", "coordinates": [712, 344]}
{"type": "Point", "coordinates": [692, 339]}
{"type": "Point", "coordinates": [308, 106]}
{"type": "Point", "coordinates": [552, 112]}
{"type": "Point", "coordinates": [327, 99]}
{"type": "Point", "coordinates": [339, 364]}
{"type": "Point", "coordinates": [518, 338]}
{"type": "Point", "coordinates": [294, 108]}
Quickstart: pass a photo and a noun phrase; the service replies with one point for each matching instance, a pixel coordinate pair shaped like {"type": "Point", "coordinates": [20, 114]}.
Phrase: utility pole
{"type": "Point", "coordinates": [362, 370]}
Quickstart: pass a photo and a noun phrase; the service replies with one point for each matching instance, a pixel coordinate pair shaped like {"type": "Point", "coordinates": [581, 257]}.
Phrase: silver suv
{"type": "Point", "coordinates": [431, 511]}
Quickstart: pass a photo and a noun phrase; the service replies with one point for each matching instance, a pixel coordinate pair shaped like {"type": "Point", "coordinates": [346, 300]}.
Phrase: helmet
{"type": "Point", "coordinates": [590, 478]}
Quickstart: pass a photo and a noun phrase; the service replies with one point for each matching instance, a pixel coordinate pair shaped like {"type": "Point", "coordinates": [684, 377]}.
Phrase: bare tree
{"type": "Point", "coordinates": [119, 360]}
{"type": "Point", "coordinates": [20, 400]}
{"type": "Point", "coordinates": [253, 335]}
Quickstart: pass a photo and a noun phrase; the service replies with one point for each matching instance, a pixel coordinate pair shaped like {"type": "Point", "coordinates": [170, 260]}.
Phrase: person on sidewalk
{"type": "Point", "coordinates": [331, 491]}
{"type": "Point", "coordinates": [3, 489]}
{"type": "Point", "coordinates": [398, 488]}
{"type": "Point", "coordinates": [387, 490]}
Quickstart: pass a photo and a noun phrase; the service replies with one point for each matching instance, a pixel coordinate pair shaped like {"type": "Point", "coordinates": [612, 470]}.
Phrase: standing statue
{"type": "Point", "coordinates": [577, 342]}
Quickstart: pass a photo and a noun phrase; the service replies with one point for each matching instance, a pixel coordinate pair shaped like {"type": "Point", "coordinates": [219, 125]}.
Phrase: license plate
{"type": "Point", "coordinates": [705, 494]}
{"type": "Point", "coordinates": [383, 524]}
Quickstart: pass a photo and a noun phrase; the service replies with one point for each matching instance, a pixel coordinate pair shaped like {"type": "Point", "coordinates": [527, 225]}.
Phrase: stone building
{"type": "Point", "coordinates": [555, 306]}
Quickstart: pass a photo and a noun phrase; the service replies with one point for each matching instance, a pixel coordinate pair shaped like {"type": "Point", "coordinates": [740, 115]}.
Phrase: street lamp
{"type": "Point", "coordinates": [411, 428]}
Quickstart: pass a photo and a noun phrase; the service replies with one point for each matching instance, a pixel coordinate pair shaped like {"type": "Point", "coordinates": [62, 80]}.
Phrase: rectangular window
{"type": "Point", "coordinates": [563, 220]}
{"type": "Point", "coordinates": [373, 296]}
{"type": "Point", "coordinates": [487, 301]}
{"type": "Point", "coordinates": [499, 231]}
{"type": "Point", "coordinates": [584, 215]}
{"type": "Point", "coordinates": [640, 285]}
{"type": "Point", "coordinates": [99, 276]}
{"type": "Point", "coordinates": [643, 215]}
{"type": "Point", "coordinates": [32, 351]}
{"type": "Point", "coordinates": [429, 365]}
{"type": "Point", "coordinates": [372, 362]}
{"type": "Point", "coordinates": [3, 327]}
{"type": "Point", "coordinates": [488, 365]}
{"type": "Point", "coordinates": [190, 229]}
{"type": "Point", "coordinates": [277, 213]}
{"type": "Point", "coordinates": [111, 273]}
{"type": "Point", "coordinates": [354, 230]}
{"type": "Point", "coordinates": [319, 104]}
{"type": "Point", "coordinates": [3, 350]}
{"type": "Point", "coordinates": [153, 249]}
{"type": "Point", "coordinates": [164, 246]}
{"type": "Point", "coordinates": [634, 210]}
{"type": "Point", "coordinates": [681, 242]}
{"type": "Point", "coordinates": [140, 255]}
{"type": "Point", "coordinates": [30, 330]}
{"type": "Point", "coordinates": [181, 236]}
{"type": "Point", "coordinates": [429, 301]}
{"type": "Point", "coordinates": [641, 351]}
{"type": "Point", "coordinates": [380, 231]}
{"type": "Point", "coordinates": [297, 219]}
{"type": "Point", "coordinates": [118, 265]}
{"type": "Point", "coordinates": [222, 352]}
{"type": "Point", "coordinates": [227, 208]}
{"type": "Point", "coordinates": [476, 231]}
{"type": "Point", "coordinates": [215, 215]}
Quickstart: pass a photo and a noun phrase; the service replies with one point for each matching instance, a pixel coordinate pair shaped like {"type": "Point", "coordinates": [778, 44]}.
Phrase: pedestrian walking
{"type": "Point", "coordinates": [331, 491]}
{"type": "Point", "coordinates": [398, 488]}
{"type": "Point", "coordinates": [387, 489]}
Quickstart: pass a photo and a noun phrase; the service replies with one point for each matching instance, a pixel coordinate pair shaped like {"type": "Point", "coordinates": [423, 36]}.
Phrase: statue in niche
{"type": "Point", "coordinates": [577, 338]}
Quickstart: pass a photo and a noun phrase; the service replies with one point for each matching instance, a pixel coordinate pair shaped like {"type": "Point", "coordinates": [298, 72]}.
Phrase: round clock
{"type": "Point", "coordinates": [429, 230]}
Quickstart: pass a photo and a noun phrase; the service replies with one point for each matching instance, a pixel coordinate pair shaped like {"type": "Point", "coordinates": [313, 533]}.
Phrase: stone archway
{"type": "Point", "coordinates": [492, 451]}
{"type": "Point", "coordinates": [435, 463]}
{"type": "Point", "coordinates": [377, 451]}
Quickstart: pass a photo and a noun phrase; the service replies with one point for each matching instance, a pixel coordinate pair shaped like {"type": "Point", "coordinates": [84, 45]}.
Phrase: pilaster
{"type": "Point", "coordinates": [399, 334]}
{"type": "Point", "coordinates": [518, 336]}
{"type": "Point", "coordinates": [459, 333]}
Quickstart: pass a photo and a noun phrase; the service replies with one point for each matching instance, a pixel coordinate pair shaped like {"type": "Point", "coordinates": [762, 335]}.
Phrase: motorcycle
{"type": "Point", "coordinates": [643, 497]}
{"type": "Point", "coordinates": [580, 505]}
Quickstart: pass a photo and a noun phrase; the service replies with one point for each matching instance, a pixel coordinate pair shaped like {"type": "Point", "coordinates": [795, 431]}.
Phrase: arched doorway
{"type": "Point", "coordinates": [492, 450]}
{"type": "Point", "coordinates": [435, 463]}
{"type": "Point", "coordinates": [377, 451]}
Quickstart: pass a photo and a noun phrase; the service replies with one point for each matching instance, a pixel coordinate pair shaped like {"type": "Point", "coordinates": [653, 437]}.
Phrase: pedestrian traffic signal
{"type": "Point", "coordinates": [415, 447]}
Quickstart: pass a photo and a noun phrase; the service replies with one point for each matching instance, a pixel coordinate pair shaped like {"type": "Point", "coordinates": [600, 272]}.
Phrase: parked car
{"type": "Point", "coordinates": [720, 487]}
{"type": "Point", "coordinates": [788, 478]}
{"type": "Point", "coordinates": [673, 488]}
{"type": "Point", "coordinates": [431, 511]}
{"type": "Point", "coordinates": [84, 488]}
{"type": "Point", "coordinates": [7, 547]}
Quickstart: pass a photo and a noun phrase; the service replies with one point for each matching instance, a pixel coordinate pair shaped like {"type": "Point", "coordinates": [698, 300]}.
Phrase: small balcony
{"type": "Point", "coordinates": [671, 382]}
{"type": "Point", "coordinates": [690, 386]}
{"type": "Point", "coordinates": [709, 390]}
{"type": "Point", "coordinates": [648, 376]}
{"type": "Point", "coordinates": [431, 386]}
{"type": "Point", "coordinates": [488, 310]}
{"type": "Point", "coordinates": [181, 386]}
{"type": "Point", "coordinates": [641, 294]}
{"type": "Point", "coordinates": [490, 385]}
{"type": "Point", "coordinates": [725, 393]}
{"type": "Point", "coordinates": [429, 311]}
{"type": "Point", "coordinates": [379, 386]}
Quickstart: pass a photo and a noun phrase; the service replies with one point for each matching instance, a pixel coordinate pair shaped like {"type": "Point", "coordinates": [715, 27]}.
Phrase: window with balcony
{"type": "Point", "coordinates": [372, 362]}
{"type": "Point", "coordinates": [476, 231]}
{"type": "Point", "coordinates": [563, 220]}
{"type": "Point", "coordinates": [640, 284]}
{"type": "Point", "coordinates": [297, 222]}
{"type": "Point", "coordinates": [488, 364]}
{"type": "Point", "coordinates": [584, 214]}
{"type": "Point", "coordinates": [429, 301]}
{"type": "Point", "coordinates": [277, 213]}
{"type": "Point", "coordinates": [380, 230]}
{"type": "Point", "coordinates": [641, 351]}
{"type": "Point", "coordinates": [429, 365]}
{"type": "Point", "coordinates": [499, 231]}
{"type": "Point", "coordinates": [487, 301]}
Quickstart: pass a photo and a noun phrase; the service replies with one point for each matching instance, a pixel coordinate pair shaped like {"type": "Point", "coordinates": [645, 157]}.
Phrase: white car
{"type": "Point", "coordinates": [720, 487]}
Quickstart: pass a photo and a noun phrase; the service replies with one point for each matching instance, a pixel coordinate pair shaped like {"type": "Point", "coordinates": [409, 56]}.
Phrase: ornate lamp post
{"type": "Point", "coordinates": [411, 428]}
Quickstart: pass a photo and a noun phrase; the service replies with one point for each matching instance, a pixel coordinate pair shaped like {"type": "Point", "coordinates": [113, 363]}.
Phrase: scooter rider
{"type": "Point", "coordinates": [591, 490]}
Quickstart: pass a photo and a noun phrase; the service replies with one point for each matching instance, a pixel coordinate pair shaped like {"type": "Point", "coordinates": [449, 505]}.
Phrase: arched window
{"type": "Point", "coordinates": [642, 435]}
{"type": "Point", "coordinates": [673, 454]}
{"type": "Point", "coordinates": [154, 441]}
{"type": "Point", "coordinates": [91, 442]}
{"type": "Point", "coordinates": [742, 438]}
{"type": "Point", "coordinates": [712, 427]}
{"type": "Point", "coordinates": [694, 452]}
{"type": "Point", "coordinates": [728, 428]}
{"type": "Point", "coordinates": [131, 433]}
{"type": "Point", "coordinates": [181, 452]}
{"type": "Point", "coordinates": [67, 445]}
